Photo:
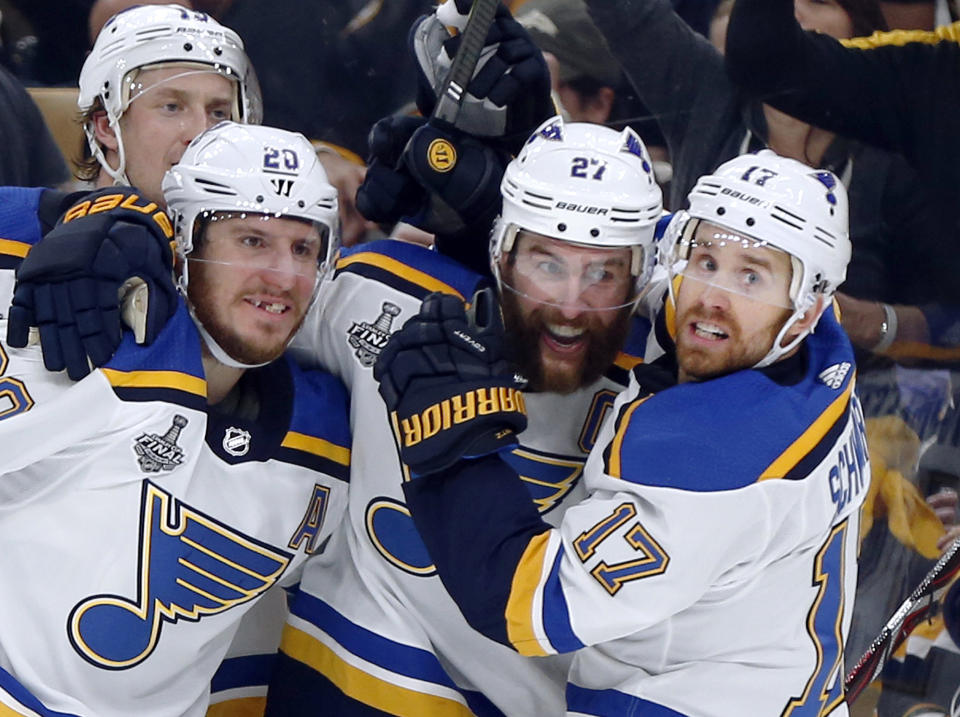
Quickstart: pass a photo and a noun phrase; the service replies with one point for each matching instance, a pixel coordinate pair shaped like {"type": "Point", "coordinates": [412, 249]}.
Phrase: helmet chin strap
{"type": "Point", "coordinates": [119, 175]}
{"type": "Point", "coordinates": [216, 350]}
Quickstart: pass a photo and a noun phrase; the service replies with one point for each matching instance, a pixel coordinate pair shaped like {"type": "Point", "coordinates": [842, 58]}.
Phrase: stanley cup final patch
{"type": "Point", "coordinates": [157, 452]}
{"type": "Point", "coordinates": [368, 339]}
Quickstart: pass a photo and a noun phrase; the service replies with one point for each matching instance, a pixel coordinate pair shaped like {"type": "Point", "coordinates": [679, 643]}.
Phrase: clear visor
{"type": "Point", "coordinates": [283, 247]}
{"type": "Point", "coordinates": [561, 273]}
{"type": "Point", "coordinates": [737, 264]}
{"type": "Point", "coordinates": [146, 80]}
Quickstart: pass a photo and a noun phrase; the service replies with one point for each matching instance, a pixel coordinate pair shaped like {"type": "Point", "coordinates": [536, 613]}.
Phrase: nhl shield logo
{"type": "Point", "coordinates": [157, 453]}
{"type": "Point", "coordinates": [369, 339]}
{"type": "Point", "coordinates": [236, 441]}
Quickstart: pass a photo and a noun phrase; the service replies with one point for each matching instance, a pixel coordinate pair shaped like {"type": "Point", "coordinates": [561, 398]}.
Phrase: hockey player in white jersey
{"type": "Point", "coordinates": [372, 629]}
{"type": "Point", "coordinates": [711, 569]}
{"type": "Point", "coordinates": [146, 508]}
{"type": "Point", "coordinates": [157, 76]}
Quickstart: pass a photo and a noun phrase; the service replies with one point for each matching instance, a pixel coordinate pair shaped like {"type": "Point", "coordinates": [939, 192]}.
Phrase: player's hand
{"type": "Point", "coordinates": [448, 386]}
{"type": "Point", "coordinates": [509, 94]}
{"type": "Point", "coordinates": [438, 180]}
{"type": "Point", "coordinates": [389, 193]}
{"type": "Point", "coordinates": [69, 286]}
{"type": "Point", "coordinates": [462, 176]}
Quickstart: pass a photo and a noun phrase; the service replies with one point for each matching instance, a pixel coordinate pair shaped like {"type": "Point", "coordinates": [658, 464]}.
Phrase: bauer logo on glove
{"type": "Point", "coordinates": [448, 386]}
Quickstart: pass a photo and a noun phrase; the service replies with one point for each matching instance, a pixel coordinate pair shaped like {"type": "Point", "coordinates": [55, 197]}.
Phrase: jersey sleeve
{"type": "Point", "coordinates": [616, 564]}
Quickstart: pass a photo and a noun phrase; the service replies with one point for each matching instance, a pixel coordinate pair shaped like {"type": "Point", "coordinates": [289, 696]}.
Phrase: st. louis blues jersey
{"type": "Point", "coordinates": [139, 525]}
{"type": "Point", "coordinates": [711, 569]}
{"type": "Point", "coordinates": [372, 621]}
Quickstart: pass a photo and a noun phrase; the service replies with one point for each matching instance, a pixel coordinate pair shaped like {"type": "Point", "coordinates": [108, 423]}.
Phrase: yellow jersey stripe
{"type": "Point", "coordinates": [627, 361]}
{"type": "Point", "coordinates": [519, 612]}
{"type": "Point", "coordinates": [241, 707]}
{"type": "Point", "coordinates": [412, 275]}
{"type": "Point", "coordinates": [899, 38]}
{"type": "Point", "coordinates": [14, 248]}
{"type": "Point", "coordinates": [317, 446]}
{"type": "Point", "coordinates": [157, 379]}
{"type": "Point", "coordinates": [353, 682]}
{"type": "Point", "coordinates": [809, 439]}
{"type": "Point", "coordinates": [615, 470]}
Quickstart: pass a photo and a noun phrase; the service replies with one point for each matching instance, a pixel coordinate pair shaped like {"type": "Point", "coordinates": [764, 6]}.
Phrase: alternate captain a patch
{"type": "Point", "coordinates": [190, 566]}
{"type": "Point", "coordinates": [368, 339]}
{"type": "Point", "coordinates": [156, 452]}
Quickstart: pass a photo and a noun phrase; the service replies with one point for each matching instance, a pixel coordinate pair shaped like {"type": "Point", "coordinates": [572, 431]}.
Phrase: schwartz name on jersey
{"type": "Point", "coordinates": [140, 524]}
{"type": "Point", "coordinates": [711, 570]}
{"type": "Point", "coordinates": [372, 622]}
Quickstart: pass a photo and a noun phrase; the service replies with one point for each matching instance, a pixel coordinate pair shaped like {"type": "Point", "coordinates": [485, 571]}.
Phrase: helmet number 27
{"type": "Point", "coordinates": [585, 168]}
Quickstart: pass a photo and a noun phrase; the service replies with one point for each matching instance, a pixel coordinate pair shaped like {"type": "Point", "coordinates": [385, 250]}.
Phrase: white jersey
{"type": "Point", "coordinates": [140, 525]}
{"type": "Point", "coordinates": [372, 617]}
{"type": "Point", "coordinates": [711, 570]}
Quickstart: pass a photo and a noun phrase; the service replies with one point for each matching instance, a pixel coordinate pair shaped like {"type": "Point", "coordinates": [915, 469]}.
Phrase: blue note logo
{"type": "Point", "coordinates": [190, 566]}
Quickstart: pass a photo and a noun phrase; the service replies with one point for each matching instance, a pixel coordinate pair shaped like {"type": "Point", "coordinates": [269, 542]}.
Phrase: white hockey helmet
{"type": "Point", "coordinates": [585, 184]}
{"type": "Point", "coordinates": [148, 35]}
{"type": "Point", "coordinates": [241, 170]}
{"type": "Point", "coordinates": [783, 204]}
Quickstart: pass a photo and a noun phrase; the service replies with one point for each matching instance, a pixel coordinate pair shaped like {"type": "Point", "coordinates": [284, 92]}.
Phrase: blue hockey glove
{"type": "Point", "coordinates": [450, 391]}
{"type": "Point", "coordinates": [509, 94]}
{"type": "Point", "coordinates": [388, 193]}
{"type": "Point", "coordinates": [441, 181]}
{"type": "Point", "coordinates": [70, 284]}
{"type": "Point", "coordinates": [462, 176]}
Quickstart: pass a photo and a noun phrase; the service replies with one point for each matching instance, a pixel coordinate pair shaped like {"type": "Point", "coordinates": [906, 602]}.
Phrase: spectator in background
{"type": "Point", "coordinates": [30, 156]}
{"type": "Point", "coordinates": [588, 82]}
{"type": "Point", "coordinates": [706, 121]}
{"type": "Point", "coordinates": [910, 83]}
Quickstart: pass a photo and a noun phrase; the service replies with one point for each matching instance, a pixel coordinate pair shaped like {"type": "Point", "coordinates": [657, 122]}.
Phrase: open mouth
{"type": "Point", "coordinates": [562, 337]}
{"type": "Point", "coordinates": [706, 330]}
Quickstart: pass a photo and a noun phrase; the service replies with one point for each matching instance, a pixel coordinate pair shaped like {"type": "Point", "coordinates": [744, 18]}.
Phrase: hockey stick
{"type": "Point", "coordinates": [454, 87]}
{"type": "Point", "coordinates": [922, 604]}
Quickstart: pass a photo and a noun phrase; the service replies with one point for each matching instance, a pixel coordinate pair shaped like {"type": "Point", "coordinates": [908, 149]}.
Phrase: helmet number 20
{"type": "Point", "coordinates": [272, 159]}
{"type": "Point", "coordinates": [586, 168]}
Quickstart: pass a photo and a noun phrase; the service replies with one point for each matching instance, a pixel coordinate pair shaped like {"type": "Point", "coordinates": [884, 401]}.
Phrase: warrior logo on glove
{"type": "Point", "coordinates": [448, 385]}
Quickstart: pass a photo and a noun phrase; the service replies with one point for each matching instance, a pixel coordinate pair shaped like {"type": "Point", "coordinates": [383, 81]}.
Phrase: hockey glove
{"type": "Point", "coordinates": [462, 176]}
{"type": "Point", "coordinates": [509, 94]}
{"type": "Point", "coordinates": [440, 181]}
{"type": "Point", "coordinates": [448, 387]}
{"type": "Point", "coordinates": [388, 193]}
{"type": "Point", "coordinates": [71, 283]}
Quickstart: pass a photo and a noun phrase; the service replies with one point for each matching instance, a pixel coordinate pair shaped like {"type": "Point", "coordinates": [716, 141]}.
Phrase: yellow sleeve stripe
{"type": "Point", "coordinates": [809, 439]}
{"type": "Point", "coordinates": [615, 470]}
{"type": "Point", "coordinates": [519, 612]}
{"type": "Point", "coordinates": [157, 379]}
{"type": "Point", "coordinates": [899, 38]}
{"type": "Point", "coordinates": [14, 248]}
{"type": "Point", "coordinates": [241, 707]}
{"type": "Point", "coordinates": [400, 269]}
{"type": "Point", "coordinates": [363, 687]}
{"type": "Point", "coordinates": [317, 446]}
